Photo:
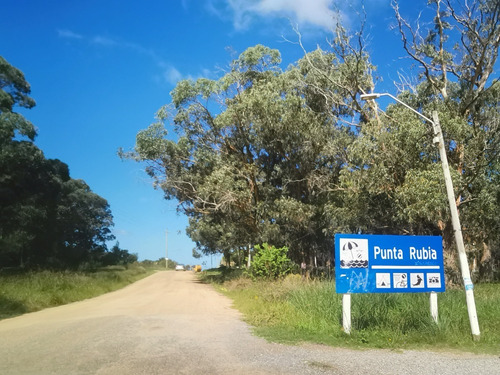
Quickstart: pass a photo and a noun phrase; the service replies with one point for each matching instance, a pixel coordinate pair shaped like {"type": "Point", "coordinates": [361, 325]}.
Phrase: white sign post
{"type": "Point", "coordinates": [434, 306]}
{"type": "Point", "coordinates": [346, 312]}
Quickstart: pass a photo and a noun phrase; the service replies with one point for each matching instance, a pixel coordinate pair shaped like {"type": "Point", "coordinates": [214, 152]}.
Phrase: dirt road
{"type": "Point", "coordinates": [169, 323]}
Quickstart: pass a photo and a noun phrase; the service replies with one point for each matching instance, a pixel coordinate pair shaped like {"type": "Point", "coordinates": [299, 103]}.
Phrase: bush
{"type": "Point", "coordinates": [270, 262]}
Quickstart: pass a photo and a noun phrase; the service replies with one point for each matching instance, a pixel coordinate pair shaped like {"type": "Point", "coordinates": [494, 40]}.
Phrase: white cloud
{"type": "Point", "coordinates": [98, 39]}
{"type": "Point", "coordinates": [172, 75]}
{"type": "Point", "coordinates": [312, 12]}
{"type": "Point", "coordinates": [168, 73]}
{"type": "Point", "coordinates": [102, 40]}
{"type": "Point", "coordinates": [316, 13]}
{"type": "Point", "coordinates": [69, 34]}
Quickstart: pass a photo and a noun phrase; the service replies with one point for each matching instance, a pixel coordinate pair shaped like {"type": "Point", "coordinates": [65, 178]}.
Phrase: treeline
{"type": "Point", "coordinates": [290, 157]}
{"type": "Point", "coordinates": [47, 219]}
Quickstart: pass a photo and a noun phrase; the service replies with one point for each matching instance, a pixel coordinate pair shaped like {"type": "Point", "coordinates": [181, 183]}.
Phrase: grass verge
{"type": "Point", "coordinates": [22, 293]}
{"type": "Point", "coordinates": [296, 311]}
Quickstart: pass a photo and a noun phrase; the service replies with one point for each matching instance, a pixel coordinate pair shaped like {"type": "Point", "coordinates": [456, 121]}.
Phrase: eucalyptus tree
{"type": "Point", "coordinates": [457, 60]}
{"type": "Point", "coordinates": [255, 158]}
{"type": "Point", "coordinates": [459, 66]}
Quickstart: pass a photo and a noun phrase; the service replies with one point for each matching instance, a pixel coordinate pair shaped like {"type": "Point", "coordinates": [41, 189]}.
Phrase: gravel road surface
{"type": "Point", "coordinates": [169, 323]}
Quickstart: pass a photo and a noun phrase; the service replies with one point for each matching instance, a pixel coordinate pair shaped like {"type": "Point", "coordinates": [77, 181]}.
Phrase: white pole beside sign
{"type": "Point", "coordinates": [433, 301]}
{"type": "Point", "coordinates": [464, 265]}
{"type": "Point", "coordinates": [346, 312]}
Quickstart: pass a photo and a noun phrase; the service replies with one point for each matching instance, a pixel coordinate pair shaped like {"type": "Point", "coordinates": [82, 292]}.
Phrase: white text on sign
{"type": "Point", "coordinates": [415, 254]}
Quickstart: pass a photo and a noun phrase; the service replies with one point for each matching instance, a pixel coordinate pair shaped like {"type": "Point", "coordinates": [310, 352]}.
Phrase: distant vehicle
{"type": "Point", "coordinates": [179, 267]}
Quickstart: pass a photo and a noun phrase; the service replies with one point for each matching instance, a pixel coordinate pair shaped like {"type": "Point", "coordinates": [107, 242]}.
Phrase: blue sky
{"type": "Point", "coordinates": [100, 69]}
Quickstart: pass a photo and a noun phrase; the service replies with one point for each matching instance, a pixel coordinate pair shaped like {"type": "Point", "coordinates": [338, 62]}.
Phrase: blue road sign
{"type": "Point", "coordinates": [388, 264]}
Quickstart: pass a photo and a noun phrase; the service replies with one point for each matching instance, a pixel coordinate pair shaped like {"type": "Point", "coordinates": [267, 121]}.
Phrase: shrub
{"type": "Point", "coordinates": [270, 262]}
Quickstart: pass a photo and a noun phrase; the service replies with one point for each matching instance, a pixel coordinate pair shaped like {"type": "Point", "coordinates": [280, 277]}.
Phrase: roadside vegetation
{"type": "Point", "coordinates": [25, 292]}
{"type": "Point", "coordinates": [294, 310]}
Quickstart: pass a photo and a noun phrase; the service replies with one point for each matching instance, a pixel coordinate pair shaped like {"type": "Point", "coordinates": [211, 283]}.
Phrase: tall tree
{"type": "Point", "coordinates": [83, 220]}
{"type": "Point", "coordinates": [14, 91]}
{"type": "Point", "coordinates": [14, 217]}
{"type": "Point", "coordinates": [256, 155]}
{"type": "Point", "coordinates": [46, 218]}
{"type": "Point", "coordinates": [457, 58]}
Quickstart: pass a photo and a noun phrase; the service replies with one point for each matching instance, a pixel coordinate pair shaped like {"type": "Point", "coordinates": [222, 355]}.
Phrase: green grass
{"type": "Point", "coordinates": [294, 311]}
{"type": "Point", "coordinates": [22, 293]}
